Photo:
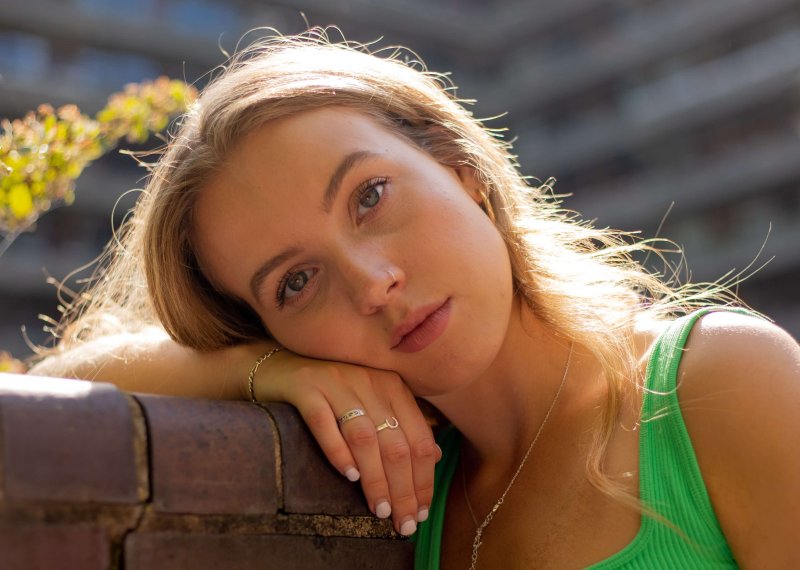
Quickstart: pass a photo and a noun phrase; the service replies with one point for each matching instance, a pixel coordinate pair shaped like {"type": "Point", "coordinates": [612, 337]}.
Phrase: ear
{"type": "Point", "coordinates": [471, 182]}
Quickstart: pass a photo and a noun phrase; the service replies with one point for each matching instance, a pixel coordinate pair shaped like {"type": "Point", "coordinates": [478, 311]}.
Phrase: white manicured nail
{"type": "Point", "coordinates": [383, 510]}
{"type": "Point", "coordinates": [408, 528]}
{"type": "Point", "coordinates": [352, 474]}
{"type": "Point", "coordinates": [422, 514]}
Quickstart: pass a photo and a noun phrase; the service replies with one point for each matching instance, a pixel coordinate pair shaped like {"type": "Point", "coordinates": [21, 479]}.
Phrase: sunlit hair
{"type": "Point", "coordinates": [579, 280]}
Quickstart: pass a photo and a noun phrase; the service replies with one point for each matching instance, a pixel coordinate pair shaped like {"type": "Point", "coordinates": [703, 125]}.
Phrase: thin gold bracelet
{"type": "Point", "coordinates": [252, 376]}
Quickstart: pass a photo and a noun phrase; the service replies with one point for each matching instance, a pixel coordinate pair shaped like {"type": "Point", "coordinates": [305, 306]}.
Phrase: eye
{"type": "Point", "coordinates": [292, 285]}
{"type": "Point", "coordinates": [370, 196]}
{"type": "Point", "coordinates": [296, 283]}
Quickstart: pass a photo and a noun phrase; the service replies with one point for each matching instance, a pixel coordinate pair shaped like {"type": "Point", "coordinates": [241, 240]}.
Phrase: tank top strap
{"type": "Point", "coordinates": [668, 350]}
{"type": "Point", "coordinates": [671, 482]}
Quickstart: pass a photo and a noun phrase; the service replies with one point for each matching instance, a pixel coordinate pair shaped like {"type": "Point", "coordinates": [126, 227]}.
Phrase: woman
{"type": "Point", "coordinates": [348, 208]}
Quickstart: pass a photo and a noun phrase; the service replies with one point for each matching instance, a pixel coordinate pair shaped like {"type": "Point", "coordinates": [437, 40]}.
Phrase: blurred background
{"type": "Point", "coordinates": [637, 107]}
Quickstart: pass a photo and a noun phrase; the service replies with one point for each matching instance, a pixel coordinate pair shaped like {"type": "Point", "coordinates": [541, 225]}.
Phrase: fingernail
{"type": "Point", "coordinates": [422, 514]}
{"type": "Point", "coordinates": [440, 452]}
{"type": "Point", "coordinates": [383, 510]}
{"type": "Point", "coordinates": [352, 474]}
{"type": "Point", "coordinates": [408, 528]}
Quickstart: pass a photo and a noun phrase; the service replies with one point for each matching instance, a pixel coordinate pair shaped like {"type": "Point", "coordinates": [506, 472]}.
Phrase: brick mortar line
{"type": "Point", "coordinates": [350, 526]}
{"type": "Point", "coordinates": [141, 449]}
{"type": "Point", "coordinates": [143, 459]}
{"type": "Point", "coordinates": [278, 451]}
{"type": "Point", "coordinates": [345, 526]}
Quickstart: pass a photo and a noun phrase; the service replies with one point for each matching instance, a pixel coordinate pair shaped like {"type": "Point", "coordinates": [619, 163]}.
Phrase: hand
{"type": "Point", "coordinates": [395, 466]}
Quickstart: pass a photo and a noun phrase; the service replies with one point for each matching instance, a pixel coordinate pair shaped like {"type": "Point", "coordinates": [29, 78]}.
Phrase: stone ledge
{"type": "Point", "coordinates": [91, 477]}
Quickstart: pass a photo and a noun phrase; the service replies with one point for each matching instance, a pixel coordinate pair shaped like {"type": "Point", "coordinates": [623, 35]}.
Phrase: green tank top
{"type": "Point", "coordinates": [670, 481]}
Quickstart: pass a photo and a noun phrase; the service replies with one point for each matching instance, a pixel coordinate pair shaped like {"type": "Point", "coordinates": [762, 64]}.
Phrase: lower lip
{"type": "Point", "coordinates": [427, 331]}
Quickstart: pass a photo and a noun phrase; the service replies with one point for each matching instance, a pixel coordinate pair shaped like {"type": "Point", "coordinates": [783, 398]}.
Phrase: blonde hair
{"type": "Point", "coordinates": [580, 280]}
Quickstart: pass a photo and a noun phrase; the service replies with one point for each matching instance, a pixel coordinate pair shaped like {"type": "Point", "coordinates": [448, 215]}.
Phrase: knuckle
{"type": "Point", "coordinates": [316, 417]}
{"type": "Point", "coordinates": [396, 388]}
{"type": "Point", "coordinates": [425, 492]}
{"type": "Point", "coordinates": [373, 485]}
{"type": "Point", "coordinates": [425, 449]}
{"type": "Point", "coordinates": [397, 452]}
{"type": "Point", "coordinates": [307, 375]}
{"type": "Point", "coordinates": [404, 500]}
{"type": "Point", "coordinates": [340, 373]}
{"type": "Point", "coordinates": [391, 386]}
{"type": "Point", "coordinates": [323, 376]}
{"type": "Point", "coordinates": [360, 437]}
{"type": "Point", "coordinates": [394, 381]}
{"type": "Point", "coordinates": [385, 377]}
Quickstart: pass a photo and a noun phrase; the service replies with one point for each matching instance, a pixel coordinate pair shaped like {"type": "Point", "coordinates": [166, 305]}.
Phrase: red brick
{"type": "Point", "coordinates": [310, 484]}
{"type": "Point", "coordinates": [177, 551]}
{"type": "Point", "coordinates": [48, 547]}
{"type": "Point", "coordinates": [66, 440]}
{"type": "Point", "coordinates": [210, 457]}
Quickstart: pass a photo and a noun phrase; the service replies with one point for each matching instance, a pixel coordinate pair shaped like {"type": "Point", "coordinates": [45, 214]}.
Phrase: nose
{"type": "Point", "coordinates": [372, 284]}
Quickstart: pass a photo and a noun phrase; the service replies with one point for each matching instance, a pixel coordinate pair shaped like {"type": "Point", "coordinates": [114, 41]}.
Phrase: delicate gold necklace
{"type": "Point", "coordinates": [479, 528]}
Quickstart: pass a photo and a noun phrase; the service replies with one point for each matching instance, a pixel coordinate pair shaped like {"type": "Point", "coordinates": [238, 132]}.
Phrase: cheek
{"type": "Point", "coordinates": [471, 237]}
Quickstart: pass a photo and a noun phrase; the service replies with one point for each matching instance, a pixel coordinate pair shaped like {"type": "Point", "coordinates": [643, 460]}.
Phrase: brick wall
{"type": "Point", "coordinates": [94, 478]}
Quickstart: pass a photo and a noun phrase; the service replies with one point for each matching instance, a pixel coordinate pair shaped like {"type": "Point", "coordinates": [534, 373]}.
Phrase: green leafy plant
{"type": "Point", "coordinates": [43, 153]}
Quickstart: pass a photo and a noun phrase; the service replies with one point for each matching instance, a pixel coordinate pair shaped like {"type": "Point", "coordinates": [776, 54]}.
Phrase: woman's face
{"type": "Point", "coordinates": [354, 245]}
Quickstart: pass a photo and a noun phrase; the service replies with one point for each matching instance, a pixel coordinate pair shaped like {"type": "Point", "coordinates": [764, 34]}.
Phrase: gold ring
{"type": "Point", "coordinates": [347, 416]}
{"type": "Point", "coordinates": [390, 423]}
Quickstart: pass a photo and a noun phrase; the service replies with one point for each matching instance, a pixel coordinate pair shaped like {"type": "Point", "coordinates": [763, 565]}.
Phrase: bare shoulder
{"type": "Point", "coordinates": [739, 388]}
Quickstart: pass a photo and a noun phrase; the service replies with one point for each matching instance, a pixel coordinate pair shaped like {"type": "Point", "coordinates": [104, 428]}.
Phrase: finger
{"type": "Point", "coordinates": [423, 450]}
{"type": "Point", "coordinates": [360, 435]}
{"type": "Point", "coordinates": [396, 457]}
{"type": "Point", "coordinates": [323, 425]}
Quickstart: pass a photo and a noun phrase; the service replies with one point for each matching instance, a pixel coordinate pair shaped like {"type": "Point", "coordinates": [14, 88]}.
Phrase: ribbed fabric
{"type": "Point", "coordinates": [670, 481]}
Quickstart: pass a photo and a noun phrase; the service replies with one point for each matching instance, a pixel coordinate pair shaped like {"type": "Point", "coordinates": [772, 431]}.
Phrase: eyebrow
{"type": "Point", "coordinates": [258, 278]}
{"type": "Point", "coordinates": [331, 191]}
{"type": "Point", "coordinates": [338, 175]}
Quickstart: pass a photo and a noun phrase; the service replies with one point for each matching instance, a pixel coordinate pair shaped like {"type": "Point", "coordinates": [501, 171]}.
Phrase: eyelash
{"type": "Point", "coordinates": [361, 191]}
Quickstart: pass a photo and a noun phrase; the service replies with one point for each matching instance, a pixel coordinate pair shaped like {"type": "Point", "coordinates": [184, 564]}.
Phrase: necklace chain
{"type": "Point", "coordinates": [479, 528]}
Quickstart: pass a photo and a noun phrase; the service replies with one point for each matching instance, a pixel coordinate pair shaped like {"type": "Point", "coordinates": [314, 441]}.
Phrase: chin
{"type": "Point", "coordinates": [452, 373]}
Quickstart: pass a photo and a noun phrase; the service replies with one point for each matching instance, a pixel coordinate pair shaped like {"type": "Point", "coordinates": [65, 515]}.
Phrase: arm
{"type": "Point", "coordinates": [739, 387]}
{"type": "Point", "coordinates": [395, 468]}
{"type": "Point", "coordinates": [153, 363]}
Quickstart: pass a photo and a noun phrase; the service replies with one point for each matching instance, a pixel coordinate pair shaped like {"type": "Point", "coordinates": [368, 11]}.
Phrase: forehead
{"type": "Point", "coordinates": [301, 149]}
{"type": "Point", "coordinates": [295, 154]}
{"type": "Point", "coordinates": [328, 131]}
{"type": "Point", "coordinates": [278, 173]}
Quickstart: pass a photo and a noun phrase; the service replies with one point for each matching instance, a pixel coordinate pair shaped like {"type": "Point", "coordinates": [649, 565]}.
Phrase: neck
{"type": "Point", "coordinates": [499, 413]}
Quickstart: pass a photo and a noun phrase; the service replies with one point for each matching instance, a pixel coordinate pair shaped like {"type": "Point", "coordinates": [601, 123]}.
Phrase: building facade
{"type": "Point", "coordinates": [678, 118]}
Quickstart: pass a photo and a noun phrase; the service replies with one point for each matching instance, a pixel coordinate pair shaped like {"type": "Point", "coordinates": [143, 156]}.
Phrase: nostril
{"type": "Point", "coordinates": [395, 278]}
{"type": "Point", "coordinates": [370, 288]}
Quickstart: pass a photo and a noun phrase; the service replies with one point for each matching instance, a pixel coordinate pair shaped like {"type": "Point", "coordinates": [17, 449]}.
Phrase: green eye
{"type": "Point", "coordinates": [371, 197]}
{"type": "Point", "coordinates": [294, 286]}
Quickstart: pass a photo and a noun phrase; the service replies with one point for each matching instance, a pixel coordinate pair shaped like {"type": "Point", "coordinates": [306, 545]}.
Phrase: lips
{"type": "Point", "coordinates": [422, 327]}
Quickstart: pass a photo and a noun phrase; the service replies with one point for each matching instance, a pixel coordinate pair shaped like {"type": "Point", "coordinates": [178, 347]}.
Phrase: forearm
{"type": "Point", "coordinates": [152, 362]}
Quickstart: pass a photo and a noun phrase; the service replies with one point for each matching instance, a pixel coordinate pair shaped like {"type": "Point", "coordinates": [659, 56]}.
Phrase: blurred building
{"type": "Point", "coordinates": [639, 108]}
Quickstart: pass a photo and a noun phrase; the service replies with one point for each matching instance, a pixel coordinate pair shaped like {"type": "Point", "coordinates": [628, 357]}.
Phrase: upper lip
{"type": "Point", "coordinates": [413, 320]}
